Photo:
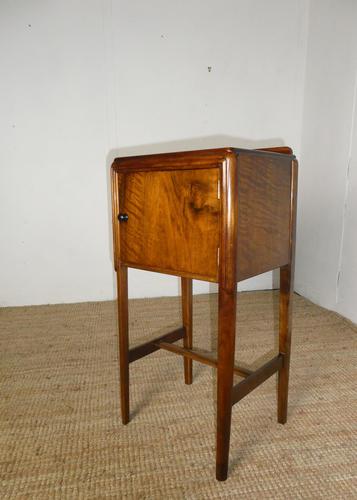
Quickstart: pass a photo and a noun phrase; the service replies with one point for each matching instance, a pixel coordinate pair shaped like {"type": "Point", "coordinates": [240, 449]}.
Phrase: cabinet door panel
{"type": "Point", "coordinates": [173, 221]}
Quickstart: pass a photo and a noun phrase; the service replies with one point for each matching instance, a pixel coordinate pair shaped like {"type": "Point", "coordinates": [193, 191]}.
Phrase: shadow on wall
{"type": "Point", "coordinates": [189, 144]}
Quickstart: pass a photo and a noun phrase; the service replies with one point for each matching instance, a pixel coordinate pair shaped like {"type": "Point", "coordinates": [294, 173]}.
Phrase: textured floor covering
{"type": "Point", "coordinates": [60, 430]}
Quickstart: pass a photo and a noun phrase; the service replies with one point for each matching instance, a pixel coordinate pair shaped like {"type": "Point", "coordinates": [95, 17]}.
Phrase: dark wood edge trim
{"type": "Point", "coordinates": [152, 345]}
{"type": "Point", "coordinates": [267, 152]}
{"type": "Point", "coordinates": [256, 378]}
{"type": "Point", "coordinates": [141, 166]}
{"type": "Point", "coordinates": [115, 211]}
{"type": "Point", "coordinates": [179, 273]}
{"type": "Point", "coordinates": [246, 276]}
{"type": "Point", "coordinates": [286, 150]}
{"type": "Point", "coordinates": [292, 239]}
{"type": "Point", "coordinates": [202, 158]}
{"type": "Point", "coordinates": [177, 157]}
{"type": "Point", "coordinates": [204, 357]}
{"type": "Point", "coordinates": [293, 209]}
{"type": "Point", "coordinates": [229, 220]}
{"type": "Point", "coordinates": [210, 279]}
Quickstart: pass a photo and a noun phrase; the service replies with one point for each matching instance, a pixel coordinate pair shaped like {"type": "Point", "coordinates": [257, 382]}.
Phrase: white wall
{"type": "Point", "coordinates": [326, 267]}
{"type": "Point", "coordinates": [54, 141]}
{"type": "Point", "coordinates": [347, 283]}
{"type": "Point", "coordinates": [83, 81]}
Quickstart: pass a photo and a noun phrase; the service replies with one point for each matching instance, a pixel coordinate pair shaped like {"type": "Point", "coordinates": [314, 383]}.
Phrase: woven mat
{"type": "Point", "coordinates": [60, 429]}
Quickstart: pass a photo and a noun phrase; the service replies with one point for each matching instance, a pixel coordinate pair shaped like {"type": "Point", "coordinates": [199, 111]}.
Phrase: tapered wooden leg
{"type": "Point", "coordinates": [226, 343]}
{"type": "Point", "coordinates": [122, 283]}
{"type": "Point", "coordinates": [186, 291]}
{"type": "Point", "coordinates": [285, 307]}
{"type": "Point", "coordinates": [285, 313]}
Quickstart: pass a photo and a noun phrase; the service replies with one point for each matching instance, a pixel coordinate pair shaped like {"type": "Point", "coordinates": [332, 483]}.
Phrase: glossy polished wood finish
{"type": "Point", "coordinates": [123, 319]}
{"type": "Point", "coordinates": [256, 378]}
{"type": "Point", "coordinates": [221, 215]}
{"type": "Point", "coordinates": [205, 357]}
{"type": "Point", "coordinates": [263, 229]}
{"type": "Point", "coordinates": [185, 160]}
{"type": "Point", "coordinates": [170, 214]}
{"type": "Point", "coordinates": [278, 149]}
{"type": "Point", "coordinates": [285, 306]}
{"type": "Point", "coordinates": [153, 345]}
{"type": "Point", "coordinates": [227, 292]}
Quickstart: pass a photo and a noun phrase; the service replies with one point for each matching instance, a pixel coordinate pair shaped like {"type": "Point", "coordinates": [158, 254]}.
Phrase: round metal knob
{"type": "Point", "coordinates": [123, 217]}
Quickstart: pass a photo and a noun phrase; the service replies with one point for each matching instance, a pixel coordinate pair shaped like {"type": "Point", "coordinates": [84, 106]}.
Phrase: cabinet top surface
{"type": "Point", "coordinates": [200, 156]}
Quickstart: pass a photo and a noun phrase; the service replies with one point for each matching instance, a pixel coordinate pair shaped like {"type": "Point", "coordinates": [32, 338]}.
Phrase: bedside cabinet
{"type": "Point", "coordinates": [219, 215]}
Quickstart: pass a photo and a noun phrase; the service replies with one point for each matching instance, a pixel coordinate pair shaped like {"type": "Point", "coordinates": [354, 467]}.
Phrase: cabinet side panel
{"type": "Point", "coordinates": [263, 214]}
{"type": "Point", "coordinates": [173, 221]}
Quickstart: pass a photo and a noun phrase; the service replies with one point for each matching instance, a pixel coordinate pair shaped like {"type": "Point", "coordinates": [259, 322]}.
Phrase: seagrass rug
{"type": "Point", "coordinates": [60, 429]}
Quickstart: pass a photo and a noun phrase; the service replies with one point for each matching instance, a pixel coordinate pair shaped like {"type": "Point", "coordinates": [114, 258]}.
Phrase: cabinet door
{"type": "Point", "coordinates": [173, 222]}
